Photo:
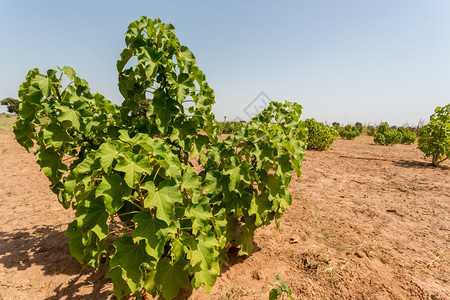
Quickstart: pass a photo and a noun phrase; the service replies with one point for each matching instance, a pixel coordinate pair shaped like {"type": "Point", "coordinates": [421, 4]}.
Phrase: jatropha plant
{"type": "Point", "coordinates": [350, 132]}
{"type": "Point", "coordinates": [386, 136]}
{"type": "Point", "coordinates": [434, 138]}
{"type": "Point", "coordinates": [320, 137]}
{"type": "Point", "coordinates": [157, 197]}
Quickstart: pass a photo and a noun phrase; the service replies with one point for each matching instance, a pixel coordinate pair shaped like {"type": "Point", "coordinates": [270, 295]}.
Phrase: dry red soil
{"type": "Point", "coordinates": [367, 222]}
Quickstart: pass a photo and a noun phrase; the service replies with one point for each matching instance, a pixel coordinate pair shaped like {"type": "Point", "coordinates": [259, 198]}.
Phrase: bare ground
{"type": "Point", "coordinates": [367, 222]}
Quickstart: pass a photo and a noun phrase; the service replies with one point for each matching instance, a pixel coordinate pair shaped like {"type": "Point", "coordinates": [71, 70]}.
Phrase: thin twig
{"type": "Point", "coordinates": [436, 258]}
{"type": "Point", "coordinates": [48, 287]}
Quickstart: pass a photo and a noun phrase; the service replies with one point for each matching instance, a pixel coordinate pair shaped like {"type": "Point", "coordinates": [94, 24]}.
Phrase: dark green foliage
{"type": "Point", "coordinates": [12, 105]}
{"type": "Point", "coordinates": [385, 135]}
{"type": "Point", "coordinates": [128, 171]}
{"type": "Point", "coordinates": [320, 137]}
{"type": "Point", "coordinates": [408, 136]}
{"type": "Point", "coordinates": [434, 138]}
{"type": "Point", "coordinates": [350, 132]}
{"type": "Point", "coordinates": [372, 131]}
{"type": "Point", "coordinates": [388, 138]}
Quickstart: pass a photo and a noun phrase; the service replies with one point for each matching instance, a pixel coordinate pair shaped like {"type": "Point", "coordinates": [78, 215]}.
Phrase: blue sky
{"type": "Point", "coordinates": [344, 61]}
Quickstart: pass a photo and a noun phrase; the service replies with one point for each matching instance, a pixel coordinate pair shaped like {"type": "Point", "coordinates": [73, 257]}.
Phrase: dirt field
{"type": "Point", "coordinates": [367, 222]}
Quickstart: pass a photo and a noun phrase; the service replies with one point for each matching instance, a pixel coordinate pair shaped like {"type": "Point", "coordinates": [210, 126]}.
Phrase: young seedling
{"type": "Point", "coordinates": [281, 288]}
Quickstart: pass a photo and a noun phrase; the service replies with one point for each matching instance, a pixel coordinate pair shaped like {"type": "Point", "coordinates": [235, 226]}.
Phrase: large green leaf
{"type": "Point", "coordinates": [260, 207]}
{"type": "Point", "coordinates": [113, 190]}
{"type": "Point", "coordinates": [245, 239]}
{"type": "Point", "coordinates": [131, 258]}
{"type": "Point", "coordinates": [190, 180]}
{"type": "Point", "coordinates": [75, 241]}
{"type": "Point", "coordinates": [204, 263]}
{"type": "Point", "coordinates": [87, 248]}
{"type": "Point", "coordinates": [163, 198]}
{"type": "Point", "coordinates": [238, 174]}
{"type": "Point", "coordinates": [154, 231]}
{"type": "Point", "coordinates": [68, 114]}
{"type": "Point", "coordinates": [171, 276]}
{"type": "Point", "coordinates": [69, 71]}
{"type": "Point", "coordinates": [121, 288]}
{"type": "Point", "coordinates": [164, 109]}
{"type": "Point", "coordinates": [44, 85]}
{"type": "Point", "coordinates": [92, 216]}
{"type": "Point", "coordinates": [200, 216]}
{"type": "Point", "coordinates": [107, 153]}
{"type": "Point", "coordinates": [51, 164]}
{"type": "Point", "coordinates": [56, 135]}
{"type": "Point", "coordinates": [133, 166]}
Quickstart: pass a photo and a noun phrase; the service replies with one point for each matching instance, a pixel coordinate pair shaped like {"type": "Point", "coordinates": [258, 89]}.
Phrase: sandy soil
{"type": "Point", "coordinates": [367, 222]}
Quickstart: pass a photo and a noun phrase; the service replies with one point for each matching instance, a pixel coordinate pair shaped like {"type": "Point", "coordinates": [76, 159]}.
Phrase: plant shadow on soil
{"type": "Point", "coordinates": [364, 158]}
{"type": "Point", "coordinates": [48, 247]}
{"type": "Point", "coordinates": [414, 164]}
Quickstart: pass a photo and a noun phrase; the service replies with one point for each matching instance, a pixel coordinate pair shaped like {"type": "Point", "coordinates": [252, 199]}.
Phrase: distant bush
{"type": "Point", "coordinates": [371, 131]}
{"type": "Point", "coordinates": [388, 138]}
{"type": "Point", "coordinates": [320, 136]}
{"type": "Point", "coordinates": [408, 136]}
{"type": "Point", "coordinates": [434, 138]}
{"type": "Point", "coordinates": [386, 135]}
{"type": "Point", "coordinates": [350, 132]}
{"type": "Point", "coordinates": [12, 105]}
{"type": "Point", "coordinates": [228, 127]}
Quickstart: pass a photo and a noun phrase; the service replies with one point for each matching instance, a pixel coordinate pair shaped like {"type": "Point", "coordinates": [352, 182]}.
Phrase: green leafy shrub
{"type": "Point", "coordinates": [128, 171]}
{"type": "Point", "coordinates": [372, 131]}
{"type": "Point", "coordinates": [408, 137]}
{"type": "Point", "coordinates": [434, 137]}
{"type": "Point", "coordinates": [387, 136]}
{"type": "Point", "coordinates": [350, 132]}
{"type": "Point", "coordinates": [320, 137]}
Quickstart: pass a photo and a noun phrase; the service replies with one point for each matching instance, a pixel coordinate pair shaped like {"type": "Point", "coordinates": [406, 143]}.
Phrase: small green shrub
{"type": "Point", "coordinates": [320, 137]}
{"type": "Point", "coordinates": [387, 136]}
{"type": "Point", "coordinates": [408, 137]}
{"type": "Point", "coordinates": [350, 132]}
{"type": "Point", "coordinates": [372, 131]}
{"type": "Point", "coordinates": [379, 139]}
{"type": "Point", "coordinates": [434, 138]}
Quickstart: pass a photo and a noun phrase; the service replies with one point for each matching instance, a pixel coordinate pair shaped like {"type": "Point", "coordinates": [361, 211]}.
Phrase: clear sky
{"type": "Point", "coordinates": [344, 61]}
